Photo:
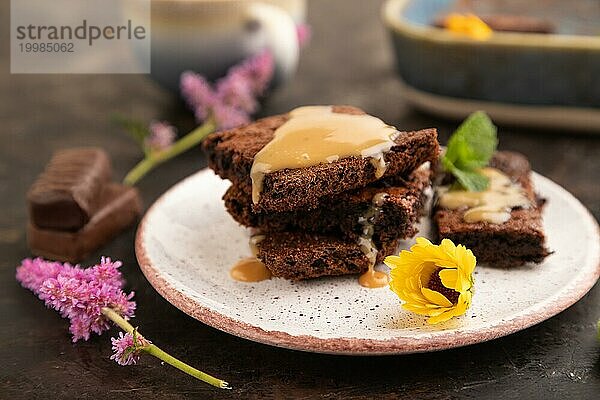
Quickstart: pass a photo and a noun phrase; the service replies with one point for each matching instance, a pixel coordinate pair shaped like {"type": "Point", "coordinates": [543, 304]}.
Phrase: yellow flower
{"type": "Point", "coordinates": [468, 24]}
{"type": "Point", "coordinates": [432, 280]}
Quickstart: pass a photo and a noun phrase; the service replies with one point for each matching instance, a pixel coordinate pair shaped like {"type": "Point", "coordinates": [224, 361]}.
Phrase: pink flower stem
{"type": "Point", "coordinates": [160, 354]}
{"type": "Point", "coordinates": [155, 158]}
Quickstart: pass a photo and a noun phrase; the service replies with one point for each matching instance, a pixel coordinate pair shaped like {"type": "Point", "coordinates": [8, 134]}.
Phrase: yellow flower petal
{"type": "Point", "coordinates": [436, 319]}
{"type": "Point", "coordinates": [421, 241]}
{"type": "Point", "coordinates": [436, 297]}
{"type": "Point", "coordinates": [410, 273]}
{"type": "Point", "coordinates": [449, 278]}
{"type": "Point", "coordinates": [416, 308]}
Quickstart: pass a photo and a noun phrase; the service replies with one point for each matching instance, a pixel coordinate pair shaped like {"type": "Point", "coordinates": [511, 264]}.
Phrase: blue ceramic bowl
{"type": "Point", "coordinates": [560, 69]}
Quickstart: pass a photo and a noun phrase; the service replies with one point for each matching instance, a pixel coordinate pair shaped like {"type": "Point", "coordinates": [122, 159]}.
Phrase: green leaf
{"type": "Point", "coordinates": [473, 143]}
{"type": "Point", "coordinates": [470, 148]}
{"type": "Point", "coordinates": [466, 180]}
{"type": "Point", "coordinates": [471, 181]}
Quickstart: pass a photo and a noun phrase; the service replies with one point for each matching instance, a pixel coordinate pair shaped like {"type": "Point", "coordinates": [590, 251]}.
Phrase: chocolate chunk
{"type": "Point", "coordinates": [68, 193]}
{"type": "Point", "coordinates": [119, 207]}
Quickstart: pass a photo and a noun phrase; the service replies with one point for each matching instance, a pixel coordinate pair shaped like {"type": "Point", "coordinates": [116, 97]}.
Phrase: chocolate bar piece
{"type": "Point", "coordinates": [120, 206]}
{"type": "Point", "coordinates": [68, 193]}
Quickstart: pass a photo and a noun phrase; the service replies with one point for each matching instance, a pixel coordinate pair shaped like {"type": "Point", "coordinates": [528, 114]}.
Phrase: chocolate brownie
{"type": "Point", "coordinates": [518, 241]}
{"type": "Point", "coordinates": [509, 23]}
{"type": "Point", "coordinates": [400, 209]}
{"type": "Point", "coordinates": [298, 255]}
{"type": "Point", "coordinates": [231, 155]}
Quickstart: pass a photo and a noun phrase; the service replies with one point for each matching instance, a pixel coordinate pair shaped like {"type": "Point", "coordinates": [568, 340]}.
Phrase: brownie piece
{"type": "Point", "coordinates": [509, 23]}
{"type": "Point", "coordinates": [298, 255]}
{"type": "Point", "coordinates": [67, 193]}
{"type": "Point", "coordinates": [518, 241]}
{"type": "Point", "coordinates": [518, 23]}
{"type": "Point", "coordinates": [400, 210]}
{"type": "Point", "coordinates": [120, 206]}
{"type": "Point", "coordinates": [231, 155]}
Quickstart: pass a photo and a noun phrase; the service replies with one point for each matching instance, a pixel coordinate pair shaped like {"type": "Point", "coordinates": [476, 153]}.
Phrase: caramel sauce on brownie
{"type": "Point", "coordinates": [492, 205]}
{"type": "Point", "coordinates": [251, 269]}
{"type": "Point", "coordinates": [371, 278]}
{"type": "Point", "coordinates": [315, 135]}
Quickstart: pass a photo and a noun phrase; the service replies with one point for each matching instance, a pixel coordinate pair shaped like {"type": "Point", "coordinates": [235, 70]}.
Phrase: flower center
{"type": "Point", "coordinates": [435, 284]}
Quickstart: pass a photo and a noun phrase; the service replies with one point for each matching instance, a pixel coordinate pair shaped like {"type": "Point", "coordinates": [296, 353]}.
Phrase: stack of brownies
{"type": "Point", "coordinates": [336, 217]}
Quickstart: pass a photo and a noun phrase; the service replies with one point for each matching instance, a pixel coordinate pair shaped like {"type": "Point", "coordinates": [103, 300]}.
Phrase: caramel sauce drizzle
{"type": "Point", "coordinates": [315, 135]}
{"type": "Point", "coordinates": [492, 205]}
{"type": "Point", "coordinates": [251, 269]}
{"type": "Point", "coordinates": [372, 278]}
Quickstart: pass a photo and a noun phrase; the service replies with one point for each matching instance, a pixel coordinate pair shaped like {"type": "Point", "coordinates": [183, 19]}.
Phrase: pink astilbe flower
{"type": "Point", "coordinates": [229, 117]}
{"type": "Point", "coordinates": [257, 70]}
{"type": "Point", "coordinates": [233, 98]}
{"type": "Point", "coordinates": [236, 92]}
{"type": "Point", "coordinates": [161, 137]}
{"type": "Point", "coordinates": [33, 272]}
{"type": "Point", "coordinates": [198, 93]}
{"type": "Point", "coordinates": [304, 34]}
{"type": "Point", "coordinates": [91, 298]}
{"type": "Point", "coordinates": [78, 294]}
{"type": "Point", "coordinates": [127, 348]}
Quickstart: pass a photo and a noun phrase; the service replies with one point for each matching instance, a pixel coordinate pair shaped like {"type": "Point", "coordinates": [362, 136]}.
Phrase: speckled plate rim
{"type": "Point", "coordinates": [533, 315]}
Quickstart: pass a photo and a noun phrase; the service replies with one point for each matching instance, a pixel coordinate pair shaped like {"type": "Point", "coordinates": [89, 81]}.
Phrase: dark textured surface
{"type": "Point", "coordinates": [349, 62]}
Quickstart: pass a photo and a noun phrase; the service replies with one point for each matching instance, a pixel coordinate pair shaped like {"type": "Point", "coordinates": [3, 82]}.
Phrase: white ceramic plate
{"type": "Point", "coordinates": [187, 243]}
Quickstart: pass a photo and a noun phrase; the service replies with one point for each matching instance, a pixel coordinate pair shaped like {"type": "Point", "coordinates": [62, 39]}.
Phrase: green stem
{"type": "Point", "coordinates": [117, 319]}
{"type": "Point", "coordinates": [141, 169]}
{"type": "Point", "coordinates": [160, 354]}
{"type": "Point", "coordinates": [153, 159]}
{"type": "Point", "coordinates": [169, 359]}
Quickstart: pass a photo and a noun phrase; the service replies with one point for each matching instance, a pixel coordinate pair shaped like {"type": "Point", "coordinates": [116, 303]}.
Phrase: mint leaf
{"type": "Point", "coordinates": [466, 180]}
{"type": "Point", "coordinates": [472, 181]}
{"type": "Point", "coordinates": [470, 148]}
{"type": "Point", "coordinates": [473, 143]}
